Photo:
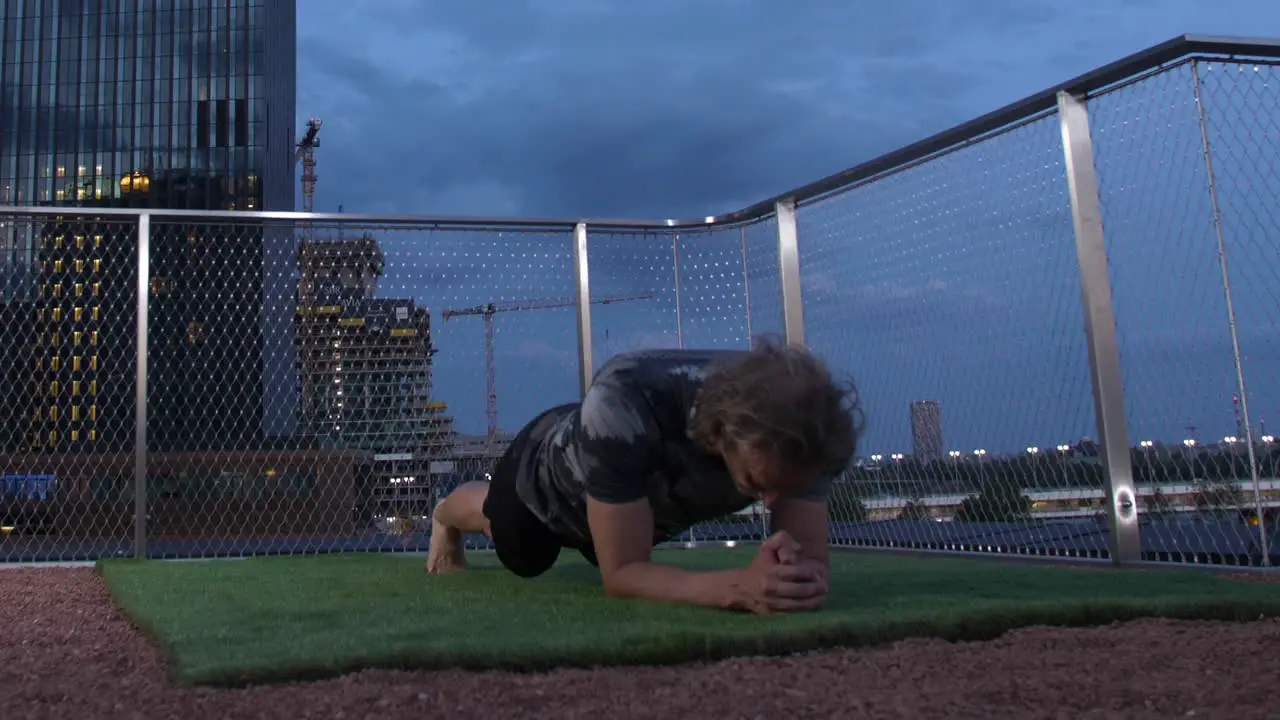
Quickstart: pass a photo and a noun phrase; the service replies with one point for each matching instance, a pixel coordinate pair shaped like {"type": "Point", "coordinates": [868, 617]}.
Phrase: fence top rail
{"type": "Point", "coordinates": [1177, 49]}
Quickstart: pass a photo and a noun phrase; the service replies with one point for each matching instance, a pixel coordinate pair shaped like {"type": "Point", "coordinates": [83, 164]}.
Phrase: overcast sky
{"type": "Point", "coordinates": [659, 108]}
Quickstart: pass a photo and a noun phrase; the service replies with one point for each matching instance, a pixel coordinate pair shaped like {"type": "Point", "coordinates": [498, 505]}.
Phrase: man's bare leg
{"type": "Point", "coordinates": [461, 512]}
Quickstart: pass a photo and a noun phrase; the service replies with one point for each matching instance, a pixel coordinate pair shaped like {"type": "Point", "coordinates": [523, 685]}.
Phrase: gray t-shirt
{"type": "Point", "coordinates": [629, 439]}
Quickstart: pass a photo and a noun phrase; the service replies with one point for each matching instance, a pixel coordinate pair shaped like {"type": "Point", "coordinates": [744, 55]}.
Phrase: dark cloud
{"type": "Point", "coordinates": [627, 109]}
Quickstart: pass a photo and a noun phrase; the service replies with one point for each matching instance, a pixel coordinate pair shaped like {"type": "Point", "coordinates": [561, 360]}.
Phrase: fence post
{"type": "Point", "coordinates": [582, 291]}
{"type": "Point", "coordinates": [140, 390]}
{"type": "Point", "coordinates": [1100, 328]}
{"type": "Point", "coordinates": [789, 270]}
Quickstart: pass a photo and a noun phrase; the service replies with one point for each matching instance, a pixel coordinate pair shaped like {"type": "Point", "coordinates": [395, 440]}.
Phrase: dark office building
{"type": "Point", "coordinates": [926, 430]}
{"type": "Point", "coordinates": [173, 104]}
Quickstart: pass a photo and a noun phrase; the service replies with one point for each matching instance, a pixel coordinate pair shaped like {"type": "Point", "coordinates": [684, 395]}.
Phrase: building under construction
{"type": "Point", "coordinates": [365, 372]}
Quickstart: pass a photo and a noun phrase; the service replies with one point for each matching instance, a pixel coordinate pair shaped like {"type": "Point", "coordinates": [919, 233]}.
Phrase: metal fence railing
{"type": "Point", "coordinates": [1060, 317]}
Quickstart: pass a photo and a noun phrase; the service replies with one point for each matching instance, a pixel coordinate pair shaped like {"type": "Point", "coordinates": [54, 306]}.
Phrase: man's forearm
{"type": "Point", "coordinates": [662, 583]}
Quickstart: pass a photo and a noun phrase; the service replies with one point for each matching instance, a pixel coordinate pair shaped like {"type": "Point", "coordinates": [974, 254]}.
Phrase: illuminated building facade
{"type": "Point", "coordinates": [180, 104]}
{"type": "Point", "coordinates": [365, 371]}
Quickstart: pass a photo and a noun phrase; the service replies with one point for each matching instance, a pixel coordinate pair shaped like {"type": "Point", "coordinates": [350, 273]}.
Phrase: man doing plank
{"type": "Point", "coordinates": [663, 440]}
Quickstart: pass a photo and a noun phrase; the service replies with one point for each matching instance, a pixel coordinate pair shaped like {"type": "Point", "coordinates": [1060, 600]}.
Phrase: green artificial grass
{"type": "Point", "coordinates": [292, 618]}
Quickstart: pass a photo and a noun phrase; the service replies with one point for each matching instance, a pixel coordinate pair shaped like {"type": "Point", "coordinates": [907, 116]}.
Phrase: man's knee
{"type": "Point", "coordinates": [464, 508]}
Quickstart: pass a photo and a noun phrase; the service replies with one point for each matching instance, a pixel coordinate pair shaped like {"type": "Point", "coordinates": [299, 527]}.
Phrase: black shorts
{"type": "Point", "coordinates": [525, 546]}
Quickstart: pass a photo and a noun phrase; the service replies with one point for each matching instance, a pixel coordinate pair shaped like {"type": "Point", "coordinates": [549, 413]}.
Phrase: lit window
{"type": "Point", "coordinates": [53, 388]}
{"type": "Point", "coordinates": [97, 265]}
{"type": "Point", "coordinates": [78, 313]}
{"type": "Point", "coordinates": [60, 194]}
{"type": "Point", "coordinates": [55, 363]}
{"type": "Point", "coordinates": [55, 339]}
{"type": "Point", "coordinates": [79, 289]}
{"type": "Point", "coordinates": [75, 388]}
{"type": "Point", "coordinates": [53, 437]}
{"type": "Point", "coordinates": [93, 412]}
{"type": "Point", "coordinates": [97, 241]}
{"type": "Point", "coordinates": [93, 362]}
{"type": "Point", "coordinates": [93, 387]}
{"type": "Point", "coordinates": [57, 290]}
{"type": "Point", "coordinates": [75, 436]}
{"type": "Point", "coordinates": [75, 412]}
{"type": "Point", "coordinates": [75, 338]}
{"type": "Point", "coordinates": [79, 242]}
{"type": "Point", "coordinates": [53, 412]}
{"type": "Point", "coordinates": [93, 435]}
{"type": "Point", "coordinates": [95, 312]}
{"type": "Point", "coordinates": [94, 340]}
{"type": "Point", "coordinates": [97, 288]}
{"type": "Point", "coordinates": [75, 363]}
{"type": "Point", "coordinates": [79, 265]}
{"type": "Point", "coordinates": [57, 266]}
{"type": "Point", "coordinates": [57, 314]}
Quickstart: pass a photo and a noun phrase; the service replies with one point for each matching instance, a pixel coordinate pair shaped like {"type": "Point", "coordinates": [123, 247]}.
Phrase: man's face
{"type": "Point", "coordinates": [758, 474]}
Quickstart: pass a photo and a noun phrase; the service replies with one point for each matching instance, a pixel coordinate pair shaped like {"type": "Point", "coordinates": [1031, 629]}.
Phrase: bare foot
{"type": "Point", "coordinates": [446, 554]}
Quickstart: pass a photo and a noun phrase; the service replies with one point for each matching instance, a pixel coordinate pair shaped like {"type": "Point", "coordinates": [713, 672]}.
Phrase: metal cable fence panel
{"type": "Point", "coordinates": [67, 329]}
{"type": "Point", "coordinates": [949, 292]}
{"type": "Point", "coordinates": [633, 292]}
{"type": "Point", "coordinates": [1186, 414]}
{"type": "Point", "coordinates": [1241, 113]}
{"type": "Point", "coordinates": [317, 389]}
{"type": "Point", "coordinates": [714, 289]}
{"type": "Point", "coordinates": [763, 294]}
{"type": "Point", "coordinates": [701, 288]}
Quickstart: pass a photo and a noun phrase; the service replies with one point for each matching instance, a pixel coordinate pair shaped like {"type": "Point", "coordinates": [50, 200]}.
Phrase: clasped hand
{"type": "Point", "coordinates": [781, 580]}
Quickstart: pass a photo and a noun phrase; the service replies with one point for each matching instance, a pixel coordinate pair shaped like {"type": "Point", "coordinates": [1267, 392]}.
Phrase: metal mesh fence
{"type": "Point", "coordinates": [309, 389]}
{"type": "Point", "coordinates": [68, 340]}
{"type": "Point", "coordinates": [703, 288]}
{"type": "Point", "coordinates": [949, 292]}
{"type": "Point", "coordinates": [1180, 241]}
{"type": "Point", "coordinates": [317, 388]}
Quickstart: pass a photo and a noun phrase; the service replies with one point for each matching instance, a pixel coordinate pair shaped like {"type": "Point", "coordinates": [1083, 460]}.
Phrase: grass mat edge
{"type": "Point", "coordinates": [976, 625]}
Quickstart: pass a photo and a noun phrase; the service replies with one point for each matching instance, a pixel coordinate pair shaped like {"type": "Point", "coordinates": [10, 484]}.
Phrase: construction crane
{"type": "Point", "coordinates": [306, 154]}
{"type": "Point", "coordinates": [488, 310]}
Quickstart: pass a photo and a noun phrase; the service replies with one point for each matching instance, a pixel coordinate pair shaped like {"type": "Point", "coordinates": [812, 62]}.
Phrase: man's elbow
{"type": "Point", "coordinates": [616, 583]}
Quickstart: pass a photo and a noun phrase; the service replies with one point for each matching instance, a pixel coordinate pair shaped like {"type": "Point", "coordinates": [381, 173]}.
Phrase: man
{"type": "Point", "coordinates": [665, 439]}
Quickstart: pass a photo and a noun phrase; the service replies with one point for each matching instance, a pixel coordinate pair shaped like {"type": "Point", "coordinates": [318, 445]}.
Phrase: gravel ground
{"type": "Point", "coordinates": [65, 652]}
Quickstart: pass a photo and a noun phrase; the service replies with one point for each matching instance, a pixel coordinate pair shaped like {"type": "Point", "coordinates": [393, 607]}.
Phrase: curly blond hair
{"type": "Point", "coordinates": [784, 400]}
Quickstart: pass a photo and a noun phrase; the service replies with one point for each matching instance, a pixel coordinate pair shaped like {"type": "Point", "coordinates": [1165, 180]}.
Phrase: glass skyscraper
{"type": "Point", "coordinates": [176, 104]}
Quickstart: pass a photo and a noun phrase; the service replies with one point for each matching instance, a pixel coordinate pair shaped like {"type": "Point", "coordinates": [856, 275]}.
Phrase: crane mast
{"type": "Point", "coordinates": [488, 310]}
{"type": "Point", "coordinates": [306, 154]}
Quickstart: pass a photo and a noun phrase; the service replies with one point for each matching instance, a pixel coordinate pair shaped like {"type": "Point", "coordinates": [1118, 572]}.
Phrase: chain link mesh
{"type": "Point", "coordinates": [681, 289]}
{"type": "Point", "coordinates": [949, 292]}
{"type": "Point", "coordinates": [67, 336]}
{"type": "Point", "coordinates": [1195, 459]}
{"type": "Point", "coordinates": [309, 389]}
{"type": "Point", "coordinates": [318, 387]}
